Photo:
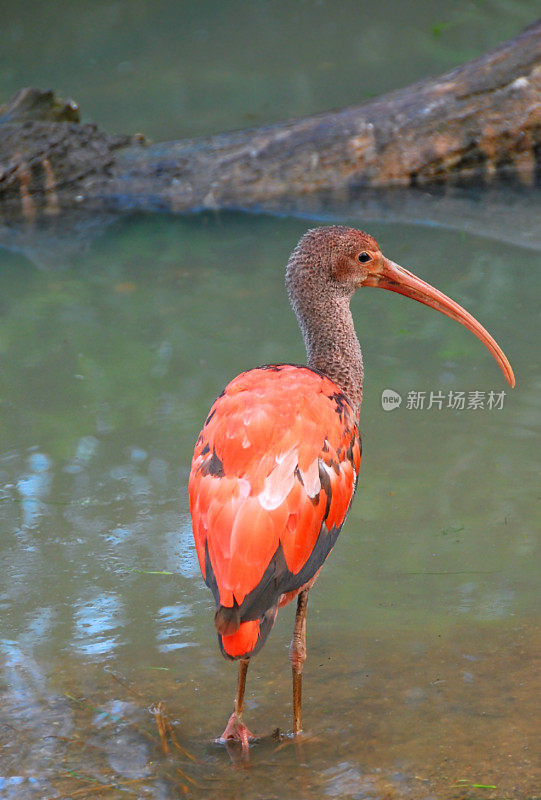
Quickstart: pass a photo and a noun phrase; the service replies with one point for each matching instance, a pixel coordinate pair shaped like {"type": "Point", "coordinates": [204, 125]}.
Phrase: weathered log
{"type": "Point", "coordinates": [479, 122]}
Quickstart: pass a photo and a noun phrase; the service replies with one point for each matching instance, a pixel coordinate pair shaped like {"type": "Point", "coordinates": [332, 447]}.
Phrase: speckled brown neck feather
{"type": "Point", "coordinates": [325, 270]}
{"type": "Point", "coordinates": [321, 304]}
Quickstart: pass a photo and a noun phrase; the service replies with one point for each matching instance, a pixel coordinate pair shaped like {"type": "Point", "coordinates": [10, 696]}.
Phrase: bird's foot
{"type": "Point", "coordinates": [236, 731]}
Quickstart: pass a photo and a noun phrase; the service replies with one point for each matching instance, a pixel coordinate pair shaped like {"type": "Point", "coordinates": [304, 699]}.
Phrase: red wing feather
{"type": "Point", "coordinates": [276, 462]}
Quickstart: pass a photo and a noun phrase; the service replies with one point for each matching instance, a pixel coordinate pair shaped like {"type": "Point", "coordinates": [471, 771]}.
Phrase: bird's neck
{"type": "Point", "coordinates": [331, 343]}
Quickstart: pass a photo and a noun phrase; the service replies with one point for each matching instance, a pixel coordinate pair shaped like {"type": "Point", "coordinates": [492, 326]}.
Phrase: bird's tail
{"type": "Point", "coordinates": [240, 639]}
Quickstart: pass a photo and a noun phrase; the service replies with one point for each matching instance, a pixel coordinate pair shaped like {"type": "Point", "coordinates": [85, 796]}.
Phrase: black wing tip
{"type": "Point", "coordinates": [227, 620]}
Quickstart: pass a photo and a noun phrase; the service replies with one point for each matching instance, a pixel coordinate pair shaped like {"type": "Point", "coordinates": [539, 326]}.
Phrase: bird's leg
{"type": "Point", "coordinates": [235, 729]}
{"type": "Point", "coordinates": [241, 685]}
{"type": "Point", "coordinates": [297, 656]}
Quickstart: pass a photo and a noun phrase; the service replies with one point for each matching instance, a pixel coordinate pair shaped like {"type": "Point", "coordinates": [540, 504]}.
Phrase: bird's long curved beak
{"type": "Point", "coordinates": [398, 279]}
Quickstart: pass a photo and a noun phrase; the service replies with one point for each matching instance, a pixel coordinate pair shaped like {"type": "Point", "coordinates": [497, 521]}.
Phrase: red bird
{"type": "Point", "coordinates": [276, 464]}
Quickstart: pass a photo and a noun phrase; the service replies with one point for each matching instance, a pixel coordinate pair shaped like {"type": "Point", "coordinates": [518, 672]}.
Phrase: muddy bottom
{"type": "Point", "coordinates": [406, 715]}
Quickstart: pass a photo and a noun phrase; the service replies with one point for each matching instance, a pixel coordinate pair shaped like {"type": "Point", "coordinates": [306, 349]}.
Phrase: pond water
{"type": "Point", "coordinates": [175, 69]}
{"type": "Point", "coordinates": [423, 627]}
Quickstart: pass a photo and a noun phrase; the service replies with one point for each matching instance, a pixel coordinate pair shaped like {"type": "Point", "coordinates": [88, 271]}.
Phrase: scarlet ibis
{"type": "Point", "coordinates": [276, 464]}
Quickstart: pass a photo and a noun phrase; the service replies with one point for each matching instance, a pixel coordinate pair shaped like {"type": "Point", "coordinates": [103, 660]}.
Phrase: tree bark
{"type": "Point", "coordinates": [477, 123]}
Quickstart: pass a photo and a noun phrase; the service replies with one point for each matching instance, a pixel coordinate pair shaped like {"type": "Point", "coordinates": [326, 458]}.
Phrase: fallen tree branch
{"type": "Point", "coordinates": [479, 122]}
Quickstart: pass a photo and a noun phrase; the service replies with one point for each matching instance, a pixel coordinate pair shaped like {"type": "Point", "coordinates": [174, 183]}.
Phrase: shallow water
{"type": "Point", "coordinates": [115, 337]}
{"type": "Point", "coordinates": [421, 628]}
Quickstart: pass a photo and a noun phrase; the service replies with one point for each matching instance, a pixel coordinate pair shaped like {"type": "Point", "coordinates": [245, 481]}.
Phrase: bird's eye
{"type": "Point", "coordinates": [363, 257]}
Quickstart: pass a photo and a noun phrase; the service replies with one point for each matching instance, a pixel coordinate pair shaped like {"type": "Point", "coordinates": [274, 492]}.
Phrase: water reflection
{"type": "Point", "coordinates": [172, 633]}
{"type": "Point", "coordinates": [128, 755]}
{"type": "Point", "coordinates": [345, 780]}
{"type": "Point", "coordinates": [95, 621]}
{"type": "Point", "coordinates": [86, 448]}
{"type": "Point", "coordinates": [421, 629]}
{"type": "Point", "coordinates": [33, 488]}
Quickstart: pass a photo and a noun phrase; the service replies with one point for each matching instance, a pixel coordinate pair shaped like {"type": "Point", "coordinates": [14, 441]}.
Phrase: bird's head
{"type": "Point", "coordinates": [342, 260]}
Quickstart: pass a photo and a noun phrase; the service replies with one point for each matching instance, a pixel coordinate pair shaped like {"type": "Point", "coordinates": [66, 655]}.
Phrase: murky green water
{"type": "Point", "coordinates": [422, 640]}
{"type": "Point", "coordinates": [425, 605]}
{"type": "Point", "coordinates": [178, 69]}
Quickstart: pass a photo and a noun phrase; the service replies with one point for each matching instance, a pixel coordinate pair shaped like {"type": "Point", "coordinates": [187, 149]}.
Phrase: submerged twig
{"type": "Point", "coordinates": [171, 732]}
{"type": "Point", "coordinates": [187, 778]}
{"type": "Point", "coordinates": [163, 723]}
{"type": "Point", "coordinates": [100, 787]}
{"type": "Point", "coordinates": [158, 711]}
{"type": "Point", "coordinates": [165, 729]}
{"type": "Point", "coordinates": [123, 683]}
